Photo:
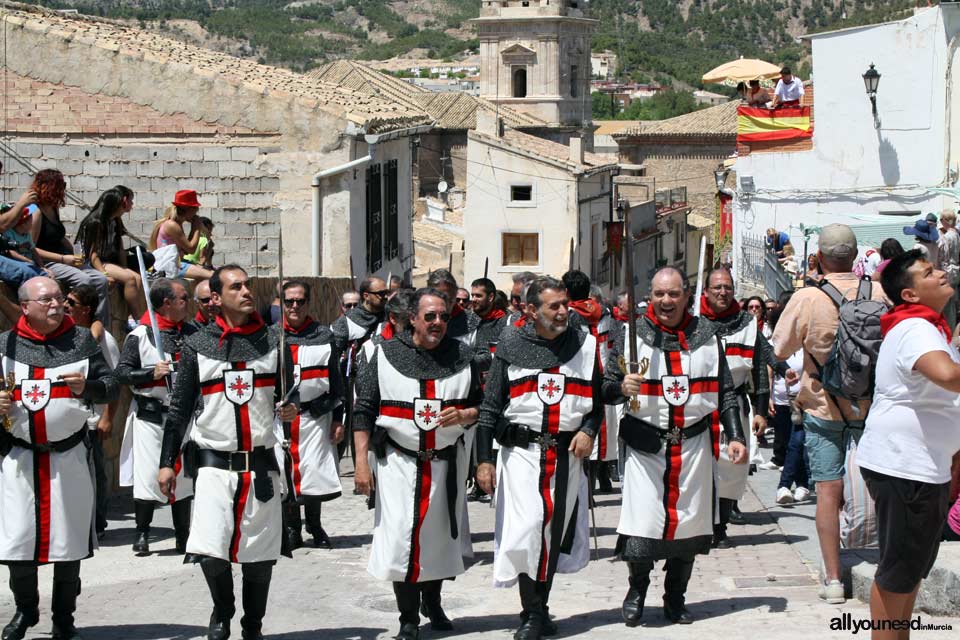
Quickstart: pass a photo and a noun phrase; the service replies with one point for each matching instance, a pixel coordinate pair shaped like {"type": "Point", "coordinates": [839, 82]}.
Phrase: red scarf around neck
{"type": "Point", "coordinates": [707, 311]}
{"type": "Point", "coordinates": [254, 323]}
{"type": "Point", "coordinates": [618, 315]}
{"type": "Point", "coordinates": [305, 325]}
{"type": "Point", "coordinates": [679, 331]}
{"type": "Point", "coordinates": [24, 330]}
{"type": "Point", "coordinates": [909, 310]}
{"type": "Point", "coordinates": [457, 310]}
{"type": "Point", "coordinates": [588, 310]}
{"type": "Point", "coordinates": [163, 323]}
{"type": "Point", "coordinates": [387, 332]}
{"type": "Point", "coordinates": [199, 318]}
{"type": "Point", "coordinates": [495, 314]}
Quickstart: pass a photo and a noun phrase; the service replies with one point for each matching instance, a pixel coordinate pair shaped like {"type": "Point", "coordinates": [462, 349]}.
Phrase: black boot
{"type": "Point", "coordinates": [23, 584]}
{"type": "Point", "coordinates": [603, 476]}
{"type": "Point", "coordinates": [256, 588]}
{"type": "Point", "coordinates": [312, 511]}
{"type": "Point", "coordinates": [736, 517]}
{"type": "Point", "coordinates": [66, 588]}
{"type": "Point", "coordinates": [639, 580]}
{"type": "Point", "coordinates": [180, 510]}
{"type": "Point", "coordinates": [408, 603]}
{"type": "Point", "coordinates": [292, 524]}
{"type": "Point", "coordinates": [220, 582]}
{"type": "Point", "coordinates": [533, 614]}
{"type": "Point", "coordinates": [549, 626]}
{"type": "Point", "coordinates": [143, 512]}
{"type": "Point", "coordinates": [430, 606]}
{"type": "Point", "coordinates": [678, 575]}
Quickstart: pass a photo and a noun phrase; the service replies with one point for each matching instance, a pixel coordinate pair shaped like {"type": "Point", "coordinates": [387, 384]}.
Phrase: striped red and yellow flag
{"type": "Point", "coordinates": [788, 123]}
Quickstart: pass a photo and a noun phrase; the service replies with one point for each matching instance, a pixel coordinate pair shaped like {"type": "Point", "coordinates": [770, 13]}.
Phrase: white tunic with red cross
{"type": "Point", "coordinates": [605, 444]}
{"type": "Point", "coordinates": [542, 493]}
{"type": "Point", "coordinates": [739, 348]}
{"type": "Point", "coordinates": [412, 540]}
{"type": "Point", "coordinates": [140, 449]}
{"type": "Point", "coordinates": [46, 498]}
{"type": "Point", "coordinates": [669, 495]}
{"type": "Point", "coordinates": [237, 414]}
{"type": "Point", "coordinates": [315, 469]}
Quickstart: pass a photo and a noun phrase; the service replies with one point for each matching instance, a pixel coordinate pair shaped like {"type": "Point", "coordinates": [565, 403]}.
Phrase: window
{"type": "Point", "coordinates": [374, 220]}
{"type": "Point", "coordinates": [392, 230]}
{"type": "Point", "coordinates": [520, 82]}
{"type": "Point", "coordinates": [520, 249]}
{"type": "Point", "coordinates": [521, 193]}
{"type": "Point", "coordinates": [680, 241]}
{"type": "Point", "coordinates": [574, 82]}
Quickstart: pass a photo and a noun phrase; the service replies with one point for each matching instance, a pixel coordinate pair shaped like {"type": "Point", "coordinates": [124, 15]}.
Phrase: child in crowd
{"type": "Point", "coordinates": [20, 242]}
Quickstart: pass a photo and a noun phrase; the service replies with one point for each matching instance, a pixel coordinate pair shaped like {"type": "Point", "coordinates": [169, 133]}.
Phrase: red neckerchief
{"type": "Point", "coordinates": [707, 311]}
{"type": "Point", "coordinates": [24, 330]}
{"type": "Point", "coordinates": [289, 329]}
{"type": "Point", "coordinates": [908, 310]}
{"type": "Point", "coordinates": [199, 318]}
{"type": "Point", "coordinates": [457, 310]}
{"type": "Point", "coordinates": [522, 320]}
{"type": "Point", "coordinates": [495, 314]}
{"type": "Point", "coordinates": [588, 309]}
{"type": "Point", "coordinates": [759, 324]}
{"type": "Point", "coordinates": [387, 332]}
{"type": "Point", "coordinates": [618, 315]}
{"type": "Point", "coordinates": [254, 323]}
{"type": "Point", "coordinates": [680, 331]}
{"type": "Point", "coordinates": [163, 324]}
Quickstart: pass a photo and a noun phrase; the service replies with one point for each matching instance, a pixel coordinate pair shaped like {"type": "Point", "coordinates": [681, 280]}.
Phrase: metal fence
{"type": "Point", "coordinates": [759, 267]}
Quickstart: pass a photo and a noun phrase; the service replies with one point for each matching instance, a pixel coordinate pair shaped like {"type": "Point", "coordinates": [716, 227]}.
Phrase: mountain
{"type": "Point", "coordinates": [672, 41]}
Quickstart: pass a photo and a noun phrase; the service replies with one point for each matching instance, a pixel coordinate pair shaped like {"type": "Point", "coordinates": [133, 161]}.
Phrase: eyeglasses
{"type": "Point", "coordinates": [721, 287]}
{"type": "Point", "coordinates": [463, 301]}
{"type": "Point", "coordinates": [294, 302]}
{"type": "Point", "coordinates": [383, 293]}
{"type": "Point", "coordinates": [49, 301]}
{"type": "Point", "coordinates": [204, 300]}
{"type": "Point", "coordinates": [754, 307]}
{"type": "Point", "coordinates": [72, 302]}
{"type": "Point", "coordinates": [430, 316]}
{"type": "Point", "coordinates": [351, 305]}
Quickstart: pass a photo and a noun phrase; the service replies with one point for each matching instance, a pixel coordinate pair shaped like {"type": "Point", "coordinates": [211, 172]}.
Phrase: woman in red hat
{"type": "Point", "coordinates": [169, 230]}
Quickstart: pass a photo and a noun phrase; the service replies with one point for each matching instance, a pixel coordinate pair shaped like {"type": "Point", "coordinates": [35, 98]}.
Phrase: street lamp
{"type": "Point", "coordinates": [871, 80]}
{"type": "Point", "coordinates": [720, 175]}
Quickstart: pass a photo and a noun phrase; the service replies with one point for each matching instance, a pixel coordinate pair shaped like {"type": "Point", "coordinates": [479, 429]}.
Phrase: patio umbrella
{"type": "Point", "coordinates": [742, 70]}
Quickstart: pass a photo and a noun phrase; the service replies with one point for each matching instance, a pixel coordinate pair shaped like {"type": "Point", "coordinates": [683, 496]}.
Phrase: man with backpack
{"type": "Point", "coordinates": [838, 326]}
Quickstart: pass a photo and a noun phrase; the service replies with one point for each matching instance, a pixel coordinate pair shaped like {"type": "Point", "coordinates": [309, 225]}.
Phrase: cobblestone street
{"type": "Point", "coordinates": [762, 587]}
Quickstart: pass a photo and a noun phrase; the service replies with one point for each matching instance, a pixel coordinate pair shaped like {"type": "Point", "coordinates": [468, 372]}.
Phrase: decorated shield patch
{"type": "Point", "coordinates": [676, 390]}
{"type": "Point", "coordinates": [426, 413]}
{"type": "Point", "coordinates": [296, 374]}
{"type": "Point", "coordinates": [238, 385]}
{"type": "Point", "coordinates": [35, 394]}
{"type": "Point", "coordinates": [550, 387]}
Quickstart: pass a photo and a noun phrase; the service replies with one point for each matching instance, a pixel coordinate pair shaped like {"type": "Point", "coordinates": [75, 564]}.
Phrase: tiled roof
{"type": "Point", "coordinates": [553, 152]}
{"type": "Point", "coordinates": [613, 127]}
{"type": "Point", "coordinates": [714, 122]}
{"type": "Point", "coordinates": [452, 110]}
{"type": "Point", "coordinates": [375, 112]}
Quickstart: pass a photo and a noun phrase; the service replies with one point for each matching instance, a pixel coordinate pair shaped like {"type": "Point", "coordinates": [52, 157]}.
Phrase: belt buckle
{"type": "Point", "coordinates": [547, 441]}
{"type": "Point", "coordinates": [243, 456]}
{"type": "Point", "coordinates": [429, 454]}
{"type": "Point", "coordinates": [673, 435]}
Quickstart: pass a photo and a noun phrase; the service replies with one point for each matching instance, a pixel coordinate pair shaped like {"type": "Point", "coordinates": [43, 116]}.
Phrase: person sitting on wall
{"type": "Point", "coordinates": [789, 90]}
{"type": "Point", "coordinates": [777, 240]}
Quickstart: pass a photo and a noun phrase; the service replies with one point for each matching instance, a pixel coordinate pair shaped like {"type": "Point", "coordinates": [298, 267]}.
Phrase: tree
{"type": "Point", "coordinates": [602, 105]}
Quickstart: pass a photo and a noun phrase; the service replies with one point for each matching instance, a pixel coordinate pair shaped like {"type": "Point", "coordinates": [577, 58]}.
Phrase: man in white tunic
{"type": "Point", "coordinates": [148, 375]}
{"type": "Point", "coordinates": [416, 394]}
{"type": "Point", "coordinates": [314, 434]}
{"type": "Point", "coordinates": [542, 404]}
{"type": "Point", "coordinates": [671, 442]}
{"type": "Point", "coordinates": [227, 384]}
{"type": "Point", "coordinates": [52, 372]}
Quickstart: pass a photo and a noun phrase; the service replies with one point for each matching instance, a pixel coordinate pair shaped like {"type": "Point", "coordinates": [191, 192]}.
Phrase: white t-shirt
{"type": "Point", "coordinates": [913, 428]}
{"type": "Point", "coordinates": [791, 91]}
{"type": "Point", "coordinates": [871, 260]}
{"type": "Point", "coordinates": [781, 395]}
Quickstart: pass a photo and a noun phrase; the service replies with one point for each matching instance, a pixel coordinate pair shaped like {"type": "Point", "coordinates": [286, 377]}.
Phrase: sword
{"type": "Point", "coordinates": [486, 266]}
{"type": "Point", "coordinates": [153, 316]}
{"type": "Point", "coordinates": [283, 331]}
{"type": "Point", "coordinates": [703, 256]}
{"type": "Point", "coordinates": [593, 512]}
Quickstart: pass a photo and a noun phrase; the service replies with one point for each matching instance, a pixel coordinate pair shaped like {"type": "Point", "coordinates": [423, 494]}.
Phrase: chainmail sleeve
{"type": "Point", "coordinates": [129, 371]}
{"type": "Point", "coordinates": [366, 407]}
{"type": "Point", "coordinates": [761, 376]}
{"type": "Point", "coordinates": [102, 385]}
{"type": "Point", "coordinates": [183, 400]}
{"type": "Point", "coordinates": [611, 392]}
{"type": "Point", "coordinates": [495, 394]}
{"type": "Point", "coordinates": [341, 334]}
{"type": "Point", "coordinates": [729, 407]}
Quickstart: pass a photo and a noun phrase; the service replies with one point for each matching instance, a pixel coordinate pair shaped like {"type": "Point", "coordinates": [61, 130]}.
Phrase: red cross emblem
{"type": "Point", "coordinates": [426, 412]}
{"type": "Point", "coordinates": [676, 390]}
{"type": "Point", "coordinates": [238, 385]}
{"type": "Point", "coordinates": [35, 394]}
{"type": "Point", "coordinates": [550, 387]}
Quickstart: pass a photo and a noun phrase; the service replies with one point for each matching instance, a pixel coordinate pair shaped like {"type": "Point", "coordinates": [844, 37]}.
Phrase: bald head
{"type": "Point", "coordinates": [669, 295]}
{"type": "Point", "coordinates": [30, 289]}
{"type": "Point", "coordinates": [41, 303]}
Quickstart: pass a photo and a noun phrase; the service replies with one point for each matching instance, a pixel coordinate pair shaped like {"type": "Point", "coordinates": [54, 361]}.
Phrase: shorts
{"type": "Point", "coordinates": [826, 446]}
{"type": "Point", "coordinates": [910, 518]}
{"type": "Point", "coordinates": [183, 268]}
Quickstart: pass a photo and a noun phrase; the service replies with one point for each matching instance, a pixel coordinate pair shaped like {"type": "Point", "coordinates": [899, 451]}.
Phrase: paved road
{"type": "Point", "coordinates": [763, 587]}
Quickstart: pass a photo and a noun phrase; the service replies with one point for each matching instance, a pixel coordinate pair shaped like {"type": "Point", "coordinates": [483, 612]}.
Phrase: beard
{"type": "Point", "coordinates": [552, 327]}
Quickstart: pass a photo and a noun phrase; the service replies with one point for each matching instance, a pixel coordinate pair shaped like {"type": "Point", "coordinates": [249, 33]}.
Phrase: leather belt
{"type": "Point", "coordinates": [518, 435]}
{"type": "Point", "coordinates": [648, 438]}
{"type": "Point", "coordinates": [260, 461]}
{"type": "Point", "coordinates": [450, 455]}
{"type": "Point", "coordinates": [151, 409]}
{"type": "Point", "coordinates": [58, 446]}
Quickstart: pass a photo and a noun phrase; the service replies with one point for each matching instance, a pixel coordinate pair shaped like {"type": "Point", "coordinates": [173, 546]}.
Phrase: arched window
{"type": "Point", "coordinates": [520, 82]}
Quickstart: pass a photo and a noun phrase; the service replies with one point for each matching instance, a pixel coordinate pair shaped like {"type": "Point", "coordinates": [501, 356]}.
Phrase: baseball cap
{"type": "Point", "coordinates": [932, 218]}
{"type": "Point", "coordinates": [838, 241]}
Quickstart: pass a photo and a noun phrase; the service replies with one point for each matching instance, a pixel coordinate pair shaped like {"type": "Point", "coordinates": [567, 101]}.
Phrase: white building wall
{"type": "Point", "coordinates": [855, 172]}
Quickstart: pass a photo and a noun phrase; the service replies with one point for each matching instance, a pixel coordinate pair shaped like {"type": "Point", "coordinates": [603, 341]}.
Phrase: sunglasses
{"type": "Point", "coordinates": [351, 305]}
{"type": "Point", "coordinates": [382, 293]}
{"type": "Point", "coordinates": [430, 316]}
{"type": "Point", "coordinates": [72, 302]}
{"type": "Point", "coordinates": [463, 301]}
{"type": "Point", "coordinates": [204, 300]}
{"type": "Point", "coordinates": [294, 302]}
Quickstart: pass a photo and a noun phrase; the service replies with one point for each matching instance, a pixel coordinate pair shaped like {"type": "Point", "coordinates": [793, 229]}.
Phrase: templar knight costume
{"type": "Point", "coordinates": [745, 349]}
{"type": "Point", "coordinates": [356, 326]}
{"type": "Point", "coordinates": [420, 470]}
{"type": "Point", "coordinates": [539, 394]}
{"type": "Point", "coordinates": [46, 475]}
{"type": "Point", "coordinates": [463, 325]}
{"type": "Point", "coordinates": [671, 446]}
{"type": "Point", "coordinates": [226, 384]}
{"type": "Point", "coordinates": [314, 471]}
{"type": "Point", "coordinates": [143, 433]}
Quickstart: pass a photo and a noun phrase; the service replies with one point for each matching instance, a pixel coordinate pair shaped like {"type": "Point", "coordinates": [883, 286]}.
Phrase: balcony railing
{"type": "Point", "coordinates": [671, 199]}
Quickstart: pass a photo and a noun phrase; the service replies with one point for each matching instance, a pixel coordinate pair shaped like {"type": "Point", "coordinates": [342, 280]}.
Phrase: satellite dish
{"type": "Point", "coordinates": [442, 186]}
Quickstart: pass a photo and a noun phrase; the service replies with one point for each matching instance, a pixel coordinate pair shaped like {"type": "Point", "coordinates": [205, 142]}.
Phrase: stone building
{"type": "Point", "coordinates": [108, 104]}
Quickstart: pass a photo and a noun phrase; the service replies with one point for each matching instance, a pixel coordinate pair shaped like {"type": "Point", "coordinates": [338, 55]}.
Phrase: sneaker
{"type": "Point", "coordinates": [832, 592]}
{"type": "Point", "coordinates": [801, 494]}
{"type": "Point", "coordinates": [770, 466]}
{"type": "Point", "coordinates": [784, 496]}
